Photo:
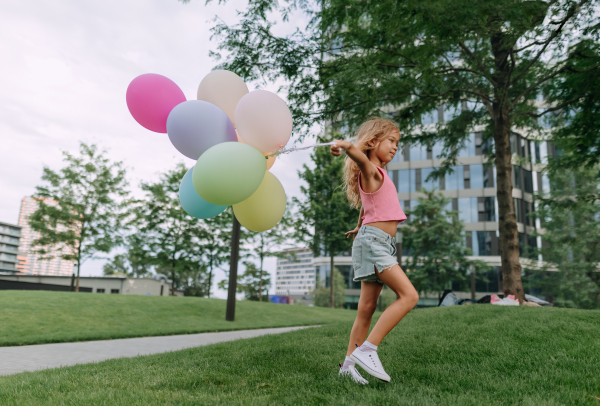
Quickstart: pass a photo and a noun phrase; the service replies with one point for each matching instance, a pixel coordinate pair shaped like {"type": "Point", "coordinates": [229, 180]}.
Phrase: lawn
{"type": "Point", "coordinates": [33, 317]}
{"type": "Point", "coordinates": [462, 355]}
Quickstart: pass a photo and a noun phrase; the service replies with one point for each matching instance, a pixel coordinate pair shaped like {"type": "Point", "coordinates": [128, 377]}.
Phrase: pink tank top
{"type": "Point", "coordinates": [382, 205]}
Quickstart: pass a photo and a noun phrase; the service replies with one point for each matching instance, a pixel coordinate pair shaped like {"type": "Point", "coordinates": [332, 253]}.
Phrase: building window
{"type": "Point", "coordinates": [436, 152]}
{"type": "Point", "coordinates": [431, 184]}
{"type": "Point", "coordinates": [467, 209]}
{"type": "Point", "coordinates": [476, 180]}
{"type": "Point", "coordinates": [116, 291]}
{"type": "Point", "coordinates": [489, 177]}
{"type": "Point", "coordinates": [431, 117]}
{"type": "Point", "coordinates": [454, 180]}
{"type": "Point", "coordinates": [403, 181]}
{"type": "Point", "coordinates": [489, 208]}
{"type": "Point", "coordinates": [417, 152]}
{"type": "Point", "coordinates": [469, 147]}
{"type": "Point", "coordinates": [99, 290]}
{"type": "Point", "coordinates": [517, 177]}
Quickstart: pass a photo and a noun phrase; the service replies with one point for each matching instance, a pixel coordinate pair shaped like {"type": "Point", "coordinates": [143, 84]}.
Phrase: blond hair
{"type": "Point", "coordinates": [370, 132]}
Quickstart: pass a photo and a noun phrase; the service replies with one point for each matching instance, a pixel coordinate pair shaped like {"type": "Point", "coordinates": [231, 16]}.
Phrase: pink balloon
{"type": "Point", "coordinates": [150, 99]}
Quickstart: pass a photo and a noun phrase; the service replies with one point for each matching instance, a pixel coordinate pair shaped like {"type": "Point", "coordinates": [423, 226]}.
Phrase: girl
{"type": "Point", "coordinates": [374, 249]}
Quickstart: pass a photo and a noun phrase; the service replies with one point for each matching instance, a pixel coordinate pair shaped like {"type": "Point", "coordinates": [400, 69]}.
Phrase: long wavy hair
{"type": "Point", "coordinates": [370, 132]}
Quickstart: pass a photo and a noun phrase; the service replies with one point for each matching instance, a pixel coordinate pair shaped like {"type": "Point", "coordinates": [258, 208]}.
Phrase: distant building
{"type": "Point", "coordinates": [119, 285]}
{"type": "Point", "coordinates": [295, 276]}
{"type": "Point", "coordinates": [10, 235]}
{"type": "Point", "coordinates": [30, 262]}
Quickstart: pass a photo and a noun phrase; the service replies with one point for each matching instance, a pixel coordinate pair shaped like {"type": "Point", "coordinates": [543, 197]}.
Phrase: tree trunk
{"type": "Point", "coordinates": [260, 282]}
{"type": "Point", "coordinates": [209, 279]}
{"type": "Point", "coordinates": [332, 295]}
{"type": "Point", "coordinates": [77, 281]}
{"type": "Point", "coordinates": [507, 219]}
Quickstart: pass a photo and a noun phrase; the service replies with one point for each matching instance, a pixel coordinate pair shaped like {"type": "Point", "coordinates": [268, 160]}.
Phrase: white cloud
{"type": "Point", "coordinates": [65, 68]}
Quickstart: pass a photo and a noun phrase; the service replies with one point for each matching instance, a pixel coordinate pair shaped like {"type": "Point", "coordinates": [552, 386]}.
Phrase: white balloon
{"type": "Point", "coordinates": [224, 89]}
{"type": "Point", "coordinates": [263, 120]}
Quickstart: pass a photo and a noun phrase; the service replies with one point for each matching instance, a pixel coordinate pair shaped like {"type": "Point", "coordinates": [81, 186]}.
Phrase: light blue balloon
{"type": "Point", "coordinates": [197, 125]}
{"type": "Point", "coordinates": [193, 204]}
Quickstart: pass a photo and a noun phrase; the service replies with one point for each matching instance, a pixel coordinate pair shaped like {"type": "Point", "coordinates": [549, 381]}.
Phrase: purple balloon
{"type": "Point", "coordinates": [196, 125]}
{"type": "Point", "coordinates": [150, 99]}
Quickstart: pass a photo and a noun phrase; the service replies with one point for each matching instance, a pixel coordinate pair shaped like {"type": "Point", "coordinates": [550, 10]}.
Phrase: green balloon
{"type": "Point", "coordinates": [229, 173]}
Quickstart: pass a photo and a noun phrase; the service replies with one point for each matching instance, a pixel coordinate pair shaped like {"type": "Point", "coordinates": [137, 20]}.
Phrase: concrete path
{"type": "Point", "coordinates": [34, 357]}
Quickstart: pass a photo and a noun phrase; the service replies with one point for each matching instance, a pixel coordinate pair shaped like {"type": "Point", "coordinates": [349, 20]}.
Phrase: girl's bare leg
{"type": "Point", "coordinates": [397, 281]}
{"type": "Point", "coordinates": [369, 293]}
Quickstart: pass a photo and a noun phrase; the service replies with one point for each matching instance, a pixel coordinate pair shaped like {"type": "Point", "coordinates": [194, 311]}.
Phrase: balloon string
{"type": "Point", "coordinates": [295, 148]}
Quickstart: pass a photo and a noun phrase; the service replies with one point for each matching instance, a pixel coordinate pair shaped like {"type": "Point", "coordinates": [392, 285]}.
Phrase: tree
{"type": "Point", "coordinates": [216, 247]}
{"type": "Point", "coordinates": [269, 243]}
{"type": "Point", "coordinates": [169, 237]}
{"type": "Point", "coordinates": [194, 279]}
{"type": "Point", "coordinates": [486, 62]}
{"type": "Point", "coordinates": [321, 296]}
{"type": "Point", "coordinates": [438, 254]}
{"type": "Point", "coordinates": [250, 283]}
{"type": "Point", "coordinates": [576, 131]}
{"type": "Point", "coordinates": [135, 263]}
{"type": "Point", "coordinates": [325, 215]}
{"type": "Point", "coordinates": [80, 207]}
{"type": "Point", "coordinates": [571, 236]}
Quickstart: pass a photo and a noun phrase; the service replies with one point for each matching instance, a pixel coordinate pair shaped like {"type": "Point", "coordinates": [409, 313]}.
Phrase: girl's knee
{"type": "Point", "coordinates": [367, 307]}
{"type": "Point", "coordinates": [413, 298]}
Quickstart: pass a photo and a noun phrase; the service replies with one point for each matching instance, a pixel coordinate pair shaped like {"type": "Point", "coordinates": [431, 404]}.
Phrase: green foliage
{"type": "Point", "coordinates": [576, 133]}
{"type": "Point", "coordinates": [251, 283]}
{"type": "Point", "coordinates": [325, 214]}
{"type": "Point", "coordinates": [135, 263]}
{"type": "Point", "coordinates": [171, 240]}
{"type": "Point", "coordinates": [80, 209]}
{"type": "Point", "coordinates": [435, 241]}
{"type": "Point", "coordinates": [570, 216]}
{"type": "Point", "coordinates": [321, 295]}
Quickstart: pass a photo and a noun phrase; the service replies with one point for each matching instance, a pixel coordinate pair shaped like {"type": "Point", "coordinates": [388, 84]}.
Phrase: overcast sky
{"type": "Point", "coordinates": [66, 65]}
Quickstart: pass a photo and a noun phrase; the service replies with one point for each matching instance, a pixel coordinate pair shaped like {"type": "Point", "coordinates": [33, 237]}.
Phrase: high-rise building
{"type": "Point", "coordinates": [29, 261]}
{"type": "Point", "coordinates": [295, 274]}
{"type": "Point", "coordinates": [9, 247]}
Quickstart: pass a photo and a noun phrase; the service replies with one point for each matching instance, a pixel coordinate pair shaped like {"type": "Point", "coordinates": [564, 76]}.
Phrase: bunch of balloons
{"type": "Point", "coordinates": [229, 131]}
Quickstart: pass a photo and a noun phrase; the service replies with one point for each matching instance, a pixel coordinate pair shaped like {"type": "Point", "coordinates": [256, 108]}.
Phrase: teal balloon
{"type": "Point", "coordinates": [193, 204]}
{"type": "Point", "coordinates": [229, 173]}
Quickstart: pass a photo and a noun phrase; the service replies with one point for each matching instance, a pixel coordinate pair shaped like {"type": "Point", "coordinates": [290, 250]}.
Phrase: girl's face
{"type": "Point", "coordinates": [387, 147]}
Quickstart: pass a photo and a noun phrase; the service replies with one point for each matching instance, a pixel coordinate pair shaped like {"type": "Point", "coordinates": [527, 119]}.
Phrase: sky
{"type": "Point", "coordinates": [66, 65]}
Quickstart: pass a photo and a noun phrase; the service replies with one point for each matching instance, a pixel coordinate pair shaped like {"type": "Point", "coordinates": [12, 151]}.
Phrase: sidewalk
{"type": "Point", "coordinates": [34, 357]}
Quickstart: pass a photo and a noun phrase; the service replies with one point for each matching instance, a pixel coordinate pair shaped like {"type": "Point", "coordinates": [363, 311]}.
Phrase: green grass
{"type": "Point", "coordinates": [33, 317]}
{"type": "Point", "coordinates": [463, 355]}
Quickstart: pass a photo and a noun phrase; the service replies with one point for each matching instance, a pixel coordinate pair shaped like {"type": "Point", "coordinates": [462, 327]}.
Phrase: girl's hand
{"type": "Point", "coordinates": [352, 233]}
{"type": "Point", "coordinates": [339, 145]}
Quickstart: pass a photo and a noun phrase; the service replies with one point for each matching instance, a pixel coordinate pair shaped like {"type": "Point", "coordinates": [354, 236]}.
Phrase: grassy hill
{"type": "Point", "coordinates": [462, 355]}
{"type": "Point", "coordinates": [33, 317]}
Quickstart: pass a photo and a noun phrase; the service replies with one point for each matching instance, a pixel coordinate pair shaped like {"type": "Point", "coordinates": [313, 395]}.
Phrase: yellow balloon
{"type": "Point", "coordinates": [270, 160]}
{"type": "Point", "coordinates": [265, 208]}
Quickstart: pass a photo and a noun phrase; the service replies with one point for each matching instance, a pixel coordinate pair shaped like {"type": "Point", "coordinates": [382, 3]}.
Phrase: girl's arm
{"type": "Point", "coordinates": [367, 169]}
{"type": "Point", "coordinates": [355, 231]}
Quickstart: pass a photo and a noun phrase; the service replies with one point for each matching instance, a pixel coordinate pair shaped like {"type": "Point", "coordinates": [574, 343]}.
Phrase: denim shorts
{"type": "Point", "coordinates": [372, 248]}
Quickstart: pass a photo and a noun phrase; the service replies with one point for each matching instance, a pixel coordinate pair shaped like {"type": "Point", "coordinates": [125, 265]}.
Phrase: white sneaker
{"type": "Point", "coordinates": [369, 361]}
{"type": "Point", "coordinates": [353, 373]}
